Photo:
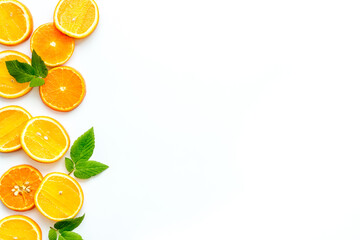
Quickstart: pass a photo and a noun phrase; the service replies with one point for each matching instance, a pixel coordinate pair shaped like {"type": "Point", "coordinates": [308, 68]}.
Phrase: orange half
{"type": "Point", "coordinates": [12, 122]}
{"type": "Point", "coordinates": [18, 186]}
{"type": "Point", "coordinates": [59, 197]}
{"type": "Point", "coordinates": [19, 227]}
{"type": "Point", "coordinates": [9, 87]}
{"type": "Point", "coordinates": [16, 22]}
{"type": "Point", "coordinates": [44, 139]}
{"type": "Point", "coordinates": [64, 89]}
{"type": "Point", "coordinates": [54, 47]}
{"type": "Point", "coordinates": [76, 18]}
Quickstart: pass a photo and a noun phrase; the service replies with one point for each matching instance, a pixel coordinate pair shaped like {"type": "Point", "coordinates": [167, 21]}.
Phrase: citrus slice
{"type": "Point", "coordinates": [76, 18]}
{"type": "Point", "coordinates": [16, 22]}
{"type": "Point", "coordinates": [12, 121]}
{"type": "Point", "coordinates": [44, 139]}
{"type": "Point", "coordinates": [18, 186]}
{"type": "Point", "coordinates": [64, 89]}
{"type": "Point", "coordinates": [9, 87]}
{"type": "Point", "coordinates": [19, 227]}
{"type": "Point", "coordinates": [59, 197]}
{"type": "Point", "coordinates": [54, 47]}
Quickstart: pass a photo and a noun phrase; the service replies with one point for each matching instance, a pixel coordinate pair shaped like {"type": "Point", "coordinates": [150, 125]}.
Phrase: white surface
{"type": "Point", "coordinates": [219, 119]}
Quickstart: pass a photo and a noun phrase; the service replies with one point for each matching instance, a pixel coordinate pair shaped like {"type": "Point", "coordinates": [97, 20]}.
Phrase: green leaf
{"type": "Point", "coordinates": [83, 147]}
{"type": "Point", "coordinates": [69, 224]}
{"type": "Point", "coordinates": [61, 238]}
{"type": "Point", "coordinates": [39, 65]}
{"type": "Point", "coordinates": [37, 82]}
{"type": "Point", "coordinates": [69, 164]}
{"type": "Point", "coordinates": [71, 236]}
{"type": "Point", "coordinates": [52, 234]}
{"type": "Point", "coordinates": [22, 72]}
{"type": "Point", "coordinates": [88, 169]}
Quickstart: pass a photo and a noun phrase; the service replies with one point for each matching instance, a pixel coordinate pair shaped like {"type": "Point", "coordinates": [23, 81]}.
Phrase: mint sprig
{"type": "Point", "coordinates": [62, 230]}
{"type": "Point", "coordinates": [80, 153]}
{"type": "Point", "coordinates": [24, 72]}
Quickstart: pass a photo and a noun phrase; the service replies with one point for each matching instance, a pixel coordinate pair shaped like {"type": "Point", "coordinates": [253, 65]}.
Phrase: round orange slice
{"type": "Point", "coordinates": [59, 197]}
{"type": "Point", "coordinates": [12, 122]}
{"type": "Point", "coordinates": [44, 139]}
{"type": "Point", "coordinates": [19, 227]}
{"type": "Point", "coordinates": [18, 186]}
{"type": "Point", "coordinates": [64, 89]}
{"type": "Point", "coordinates": [76, 18]}
{"type": "Point", "coordinates": [16, 22]}
{"type": "Point", "coordinates": [54, 47]}
{"type": "Point", "coordinates": [9, 87]}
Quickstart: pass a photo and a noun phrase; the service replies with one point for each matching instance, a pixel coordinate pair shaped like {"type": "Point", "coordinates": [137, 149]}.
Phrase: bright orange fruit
{"type": "Point", "coordinates": [18, 186]}
{"type": "Point", "coordinates": [64, 89]}
{"type": "Point", "coordinates": [44, 139]}
{"type": "Point", "coordinates": [59, 197]}
{"type": "Point", "coordinates": [9, 87]}
{"type": "Point", "coordinates": [12, 122]}
{"type": "Point", "coordinates": [19, 227]}
{"type": "Point", "coordinates": [76, 18]}
{"type": "Point", "coordinates": [16, 22]}
{"type": "Point", "coordinates": [54, 47]}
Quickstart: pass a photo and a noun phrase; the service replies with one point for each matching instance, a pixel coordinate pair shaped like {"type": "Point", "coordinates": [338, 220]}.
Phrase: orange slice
{"type": "Point", "coordinates": [19, 227]}
{"type": "Point", "coordinates": [76, 18]}
{"type": "Point", "coordinates": [54, 47]}
{"type": "Point", "coordinates": [59, 197]}
{"type": "Point", "coordinates": [16, 22]}
{"type": "Point", "coordinates": [64, 89]}
{"type": "Point", "coordinates": [12, 122]}
{"type": "Point", "coordinates": [44, 139]}
{"type": "Point", "coordinates": [18, 186]}
{"type": "Point", "coordinates": [9, 87]}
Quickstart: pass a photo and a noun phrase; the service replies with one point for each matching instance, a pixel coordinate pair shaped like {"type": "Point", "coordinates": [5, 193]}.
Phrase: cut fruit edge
{"type": "Point", "coordinates": [17, 108]}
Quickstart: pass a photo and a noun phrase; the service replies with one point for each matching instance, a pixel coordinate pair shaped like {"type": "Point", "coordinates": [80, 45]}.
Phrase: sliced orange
{"type": "Point", "coordinates": [18, 186]}
{"type": "Point", "coordinates": [54, 47]}
{"type": "Point", "coordinates": [9, 87]}
{"type": "Point", "coordinates": [16, 22]}
{"type": "Point", "coordinates": [19, 227]}
{"type": "Point", "coordinates": [76, 18]}
{"type": "Point", "coordinates": [64, 89]}
{"type": "Point", "coordinates": [12, 122]}
{"type": "Point", "coordinates": [59, 197]}
{"type": "Point", "coordinates": [44, 139]}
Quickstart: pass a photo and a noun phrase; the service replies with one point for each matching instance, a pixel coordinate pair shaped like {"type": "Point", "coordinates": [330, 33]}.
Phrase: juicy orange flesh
{"type": "Point", "coordinates": [44, 139]}
{"type": "Point", "coordinates": [19, 177]}
{"type": "Point", "coordinates": [76, 16]}
{"type": "Point", "coordinates": [8, 85]}
{"type": "Point", "coordinates": [59, 197]}
{"type": "Point", "coordinates": [17, 229]}
{"type": "Point", "coordinates": [62, 89]}
{"type": "Point", "coordinates": [51, 44]}
{"type": "Point", "coordinates": [12, 22]}
{"type": "Point", "coordinates": [11, 124]}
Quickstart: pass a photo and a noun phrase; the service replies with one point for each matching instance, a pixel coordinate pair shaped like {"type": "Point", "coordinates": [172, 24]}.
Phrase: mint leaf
{"type": "Point", "coordinates": [22, 72]}
{"type": "Point", "coordinates": [69, 224]}
{"type": "Point", "coordinates": [88, 169]}
{"type": "Point", "coordinates": [39, 65]}
{"type": "Point", "coordinates": [37, 82]}
{"type": "Point", "coordinates": [83, 147]}
{"type": "Point", "coordinates": [69, 164]}
{"type": "Point", "coordinates": [52, 234]}
{"type": "Point", "coordinates": [61, 238]}
{"type": "Point", "coordinates": [71, 236]}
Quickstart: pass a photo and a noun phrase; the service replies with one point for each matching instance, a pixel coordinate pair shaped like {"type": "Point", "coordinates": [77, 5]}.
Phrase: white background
{"type": "Point", "coordinates": [226, 119]}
